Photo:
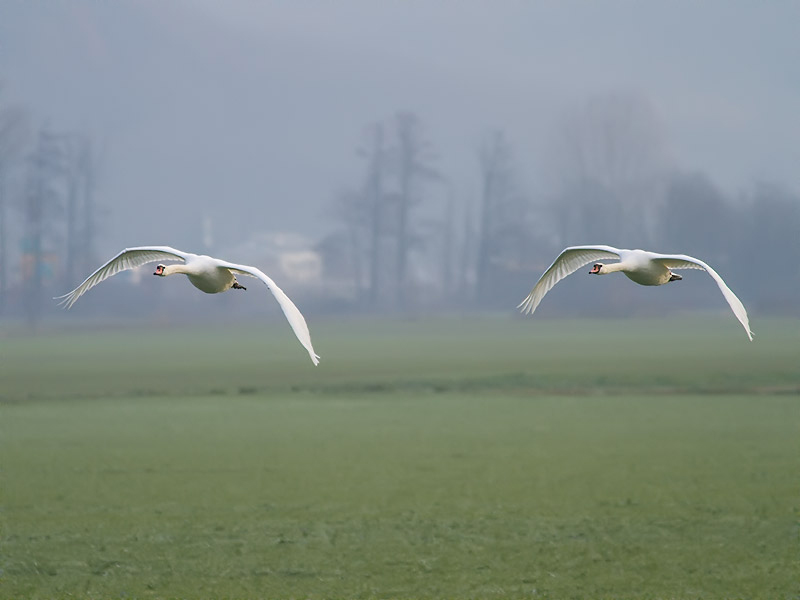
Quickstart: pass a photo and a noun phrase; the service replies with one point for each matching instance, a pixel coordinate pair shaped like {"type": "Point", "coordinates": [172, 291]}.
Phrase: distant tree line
{"type": "Point", "coordinates": [407, 236]}
{"type": "Point", "coordinates": [404, 240]}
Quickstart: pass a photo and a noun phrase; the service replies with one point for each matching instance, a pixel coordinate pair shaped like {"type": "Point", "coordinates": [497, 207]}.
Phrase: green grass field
{"type": "Point", "coordinates": [449, 458]}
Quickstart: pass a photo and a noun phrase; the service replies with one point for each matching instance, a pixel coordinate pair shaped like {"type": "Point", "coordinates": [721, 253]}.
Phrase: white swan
{"type": "Point", "coordinates": [645, 268]}
{"type": "Point", "coordinates": [208, 274]}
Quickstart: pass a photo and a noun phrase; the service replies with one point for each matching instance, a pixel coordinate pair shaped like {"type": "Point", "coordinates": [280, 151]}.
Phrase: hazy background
{"type": "Point", "coordinates": [249, 130]}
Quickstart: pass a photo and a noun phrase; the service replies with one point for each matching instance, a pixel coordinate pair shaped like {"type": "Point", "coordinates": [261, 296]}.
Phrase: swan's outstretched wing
{"type": "Point", "coordinates": [570, 260]}
{"type": "Point", "coordinates": [682, 261]}
{"type": "Point", "coordinates": [130, 258]}
{"type": "Point", "coordinates": [293, 314]}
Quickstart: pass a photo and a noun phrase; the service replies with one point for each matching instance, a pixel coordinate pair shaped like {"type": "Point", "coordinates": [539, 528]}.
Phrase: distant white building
{"type": "Point", "coordinates": [284, 256]}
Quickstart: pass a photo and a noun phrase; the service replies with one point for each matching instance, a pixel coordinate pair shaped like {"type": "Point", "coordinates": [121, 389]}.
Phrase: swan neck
{"type": "Point", "coordinates": [173, 269]}
{"type": "Point", "coordinates": [612, 268]}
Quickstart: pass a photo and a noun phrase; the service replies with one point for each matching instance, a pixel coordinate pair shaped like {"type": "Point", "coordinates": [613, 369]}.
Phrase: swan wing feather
{"type": "Point", "coordinates": [130, 258]}
{"type": "Point", "coordinates": [683, 261]}
{"type": "Point", "coordinates": [570, 260]}
{"type": "Point", "coordinates": [293, 314]}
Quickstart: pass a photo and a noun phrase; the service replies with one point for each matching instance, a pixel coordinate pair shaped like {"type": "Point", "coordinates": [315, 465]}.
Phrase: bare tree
{"type": "Point", "coordinates": [414, 155]}
{"type": "Point", "coordinates": [607, 161]}
{"type": "Point", "coordinates": [503, 212]}
{"type": "Point", "coordinates": [378, 218]}
{"type": "Point", "coordinates": [374, 203]}
{"type": "Point", "coordinates": [364, 215]}
{"type": "Point", "coordinates": [349, 208]}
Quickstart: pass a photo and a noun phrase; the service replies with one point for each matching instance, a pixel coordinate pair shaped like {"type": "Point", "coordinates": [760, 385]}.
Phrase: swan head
{"type": "Point", "coordinates": [597, 269]}
{"type": "Point", "coordinates": [160, 271]}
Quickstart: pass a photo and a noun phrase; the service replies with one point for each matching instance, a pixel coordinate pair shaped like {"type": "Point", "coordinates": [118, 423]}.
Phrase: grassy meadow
{"type": "Point", "coordinates": [468, 457]}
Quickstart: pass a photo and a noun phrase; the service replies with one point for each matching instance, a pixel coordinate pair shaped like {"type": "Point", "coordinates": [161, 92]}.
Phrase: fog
{"type": "Point", "coordinates": [215, 126]}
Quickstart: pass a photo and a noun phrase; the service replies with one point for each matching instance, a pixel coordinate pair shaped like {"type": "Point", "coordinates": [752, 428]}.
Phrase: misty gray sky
{"type": "Point", "coordinates": [250, 112]}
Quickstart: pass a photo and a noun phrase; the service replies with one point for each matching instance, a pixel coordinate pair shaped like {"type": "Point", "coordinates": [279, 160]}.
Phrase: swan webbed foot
{"type": "Point", "coordinates": [236, 286]}
{"type": "Point", "coordinates": [674, 277]}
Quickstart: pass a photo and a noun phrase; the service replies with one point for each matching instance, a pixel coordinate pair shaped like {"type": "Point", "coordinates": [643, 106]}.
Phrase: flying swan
{"type": "Point", "coordinates": [645, 268]}
{"type": "Point", "coordinates": [207, 274]}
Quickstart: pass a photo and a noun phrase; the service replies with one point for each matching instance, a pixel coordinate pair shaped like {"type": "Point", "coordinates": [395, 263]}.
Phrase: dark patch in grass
{"type": "Point", "coordinates": [432, 357]}
{"type": "Point", "coordinates": [300, 573]}
{"type": "Point", "coordinates": [528, 384]}
{"type": "Point", "coordinates": [104, 567]}
{"type": "Point", "coordinates": [531, 384]}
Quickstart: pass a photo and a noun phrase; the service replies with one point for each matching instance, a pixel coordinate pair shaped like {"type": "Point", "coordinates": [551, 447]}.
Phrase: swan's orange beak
{"type": "Point", "coordinates": [159, 270]}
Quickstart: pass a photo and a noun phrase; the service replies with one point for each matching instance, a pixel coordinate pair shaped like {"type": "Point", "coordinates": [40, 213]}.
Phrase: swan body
{"type": "Point", "coordinates": [208, 274]}
{"type": "Point", "coordinates": [203, 273]}
{"type": "Point", "coordinates": [640, 266]}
